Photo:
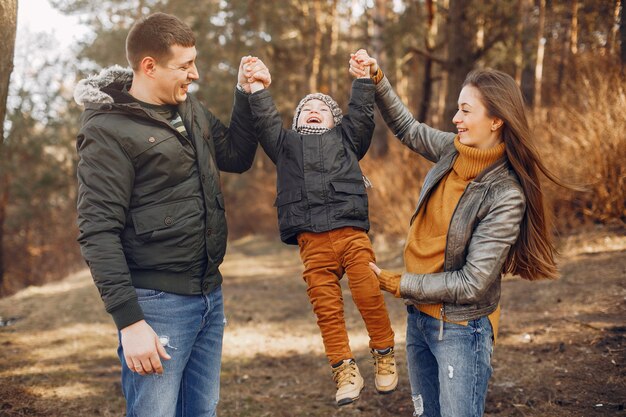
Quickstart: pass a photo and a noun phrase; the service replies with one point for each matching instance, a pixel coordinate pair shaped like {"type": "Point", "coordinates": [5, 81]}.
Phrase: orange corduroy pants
{"type": "Point", "coordinates": [326, 256]}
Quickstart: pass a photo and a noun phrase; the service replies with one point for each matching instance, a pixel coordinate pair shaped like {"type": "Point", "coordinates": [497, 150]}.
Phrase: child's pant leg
{"type": "Point", "coordinates": [357, 254]}
{"type": "Point", "coordinates": [322, 271]}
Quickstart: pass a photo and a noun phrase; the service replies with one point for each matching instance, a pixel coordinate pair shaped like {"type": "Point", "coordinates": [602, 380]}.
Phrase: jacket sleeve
{"type": "Point", "coordinates": [267, 122]}
{"type": "Point", "coordinates": [105, 180]}
{"type": "Point", "coordinates": [419, 137]}
{"type": "Point", "coordinates": [358, 124]}
{"type": "Point", "coordinates": [235, 146]}
{"type": "Point", "coordinates": [487, 251]}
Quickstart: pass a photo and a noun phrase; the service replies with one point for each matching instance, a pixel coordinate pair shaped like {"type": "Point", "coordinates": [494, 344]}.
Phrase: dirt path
{"type": "Point", "coordinates": [561, 350]}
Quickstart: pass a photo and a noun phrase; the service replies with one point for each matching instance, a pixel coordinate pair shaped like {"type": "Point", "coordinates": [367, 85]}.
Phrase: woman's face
{"type": "Point", "coordinates": [475, 127]}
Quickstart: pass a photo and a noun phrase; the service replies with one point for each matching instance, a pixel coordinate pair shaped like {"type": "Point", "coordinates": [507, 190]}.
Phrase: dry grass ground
{"type": "Point", "coordinates": [561, 350]}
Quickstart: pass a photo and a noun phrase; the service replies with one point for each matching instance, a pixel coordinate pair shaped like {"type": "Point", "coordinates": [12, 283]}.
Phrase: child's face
{"type": "Point", "coordinates": [316, 113]}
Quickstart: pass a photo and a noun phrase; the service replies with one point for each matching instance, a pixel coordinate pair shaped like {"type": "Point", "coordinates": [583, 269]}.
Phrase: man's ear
{"type": "Point", "coordinates": [147, 66]}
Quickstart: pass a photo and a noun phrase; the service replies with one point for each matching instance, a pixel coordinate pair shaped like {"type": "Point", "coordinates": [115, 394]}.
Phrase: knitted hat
{"type": "Point", "coordinates": [328, 100]}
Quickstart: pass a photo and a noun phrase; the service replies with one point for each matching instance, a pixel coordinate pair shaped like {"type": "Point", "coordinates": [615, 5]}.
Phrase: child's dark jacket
{"type": "Point", "coordinates": [319, 182]}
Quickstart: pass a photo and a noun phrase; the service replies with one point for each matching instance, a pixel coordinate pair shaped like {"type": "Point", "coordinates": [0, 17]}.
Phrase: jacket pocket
{"type": "Point", "coordinates": [171, 224]}
{"type": "Point", "coordinates": [139, 146]}
{"type": "Point", "coordinates": [351, 187]}
{"type": "Point", "coordinates": [163, 155]}
{"type": "Point", "coordinates": [350, 200]}
{"type": "Point", "coordinates": [290, 210]}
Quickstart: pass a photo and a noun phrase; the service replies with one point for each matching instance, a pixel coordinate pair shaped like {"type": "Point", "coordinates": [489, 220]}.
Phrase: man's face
{"type": "Point", "coordinates": [316, 113]}
{"type": "Point", "coordinates": [172, 78]}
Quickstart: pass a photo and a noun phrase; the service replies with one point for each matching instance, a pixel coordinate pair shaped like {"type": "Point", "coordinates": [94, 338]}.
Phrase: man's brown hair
{"type": "Point", "coordinates": [154, 35]}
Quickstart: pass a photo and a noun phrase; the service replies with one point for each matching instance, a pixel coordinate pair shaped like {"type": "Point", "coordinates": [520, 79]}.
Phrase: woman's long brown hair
{"type": "Point", "coordinates": [532, 256]}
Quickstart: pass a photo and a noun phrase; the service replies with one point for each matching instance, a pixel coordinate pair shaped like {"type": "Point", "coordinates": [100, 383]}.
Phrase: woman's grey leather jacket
{"type": "Point", "coordinates": [484, 226]}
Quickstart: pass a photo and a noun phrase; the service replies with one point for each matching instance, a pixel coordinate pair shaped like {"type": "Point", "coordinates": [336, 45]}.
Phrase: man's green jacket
{"type": "Point", "coordinates": [150, 208]}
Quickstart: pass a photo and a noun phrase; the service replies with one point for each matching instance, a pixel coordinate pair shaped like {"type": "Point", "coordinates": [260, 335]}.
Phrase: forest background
{"type": "Point", "coordinates": [568, 56]}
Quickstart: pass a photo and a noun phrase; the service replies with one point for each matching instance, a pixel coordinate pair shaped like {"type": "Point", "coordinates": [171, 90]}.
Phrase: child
{"type": "Point", "coordinates": [322, 207]}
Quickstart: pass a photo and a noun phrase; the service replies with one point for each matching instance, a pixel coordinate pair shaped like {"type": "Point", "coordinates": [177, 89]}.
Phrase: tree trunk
{"type": "Point", "coordinates": [317, 47]}
{"type": "Point", "coordinates": [568, 49]}
{"type": "Point", "coordinates": [480, 36]}
{"type": "Point", "coordinates": [573, 38]}
{"type": "Point", "coordinates": [379, 146]}
{"type": "Point", "coordinates": [333, 72]}
{"type": "Point", "coordinates": [519, 36]}
{"type": "Point", "coordinates": [8, 27]}
{"type": "Point", "coordinates": [611, 43]}
{"type": "Point", "coordinates": [461, 48]}
{"type": "Point", "coordinates": [541, 45]}
{"type": "Point", "coordinates": [431, 38]}
{"type": "Point", "coordinates": [622, 31]}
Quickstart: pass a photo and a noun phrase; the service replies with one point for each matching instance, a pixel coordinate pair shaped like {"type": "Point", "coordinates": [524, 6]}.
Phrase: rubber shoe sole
{"type": "Point", "coordinates": [388, 391]}
{"type": "Point", "coordinates": [346, 401]}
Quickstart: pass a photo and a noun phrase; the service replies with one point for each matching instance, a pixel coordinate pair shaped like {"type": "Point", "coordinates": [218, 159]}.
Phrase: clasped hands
{"type": "Point", "coordinates": [362, 65]}
{"type": "Point", "coordinates": [254, 75]}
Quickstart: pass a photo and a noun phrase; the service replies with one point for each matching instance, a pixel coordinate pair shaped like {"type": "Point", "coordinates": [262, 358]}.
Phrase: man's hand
{"type": "Point", "coordinates": [142, 349]}
{"type": "Point", "coordinates": [258, 75]}
{"type": "Point", "coordinates": [242, 79]}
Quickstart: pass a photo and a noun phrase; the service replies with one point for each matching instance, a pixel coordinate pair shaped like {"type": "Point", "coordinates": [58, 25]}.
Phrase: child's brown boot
{"type": "Point", "coordinates": [349, 381]}
{"type": "Point", "coordinates": [386, 373]}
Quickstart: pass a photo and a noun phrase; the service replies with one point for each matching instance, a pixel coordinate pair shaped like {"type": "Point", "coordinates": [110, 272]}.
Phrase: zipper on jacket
{"type": "Point", "coordinates": [440, 338]}
{"type": "Point", "coordinates": [323, 176]}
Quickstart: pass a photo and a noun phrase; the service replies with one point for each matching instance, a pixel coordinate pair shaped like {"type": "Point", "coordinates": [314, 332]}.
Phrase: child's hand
{"type": "Point", "coordinates": [257, 75]}
{"type": "Point", "coordinates": [361, 59]}
{"type": "Point", "coordinates": [357, 69]}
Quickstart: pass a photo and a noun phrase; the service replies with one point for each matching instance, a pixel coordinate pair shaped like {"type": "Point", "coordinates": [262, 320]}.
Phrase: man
{"type": "Point", "coordinates": [151, 215]}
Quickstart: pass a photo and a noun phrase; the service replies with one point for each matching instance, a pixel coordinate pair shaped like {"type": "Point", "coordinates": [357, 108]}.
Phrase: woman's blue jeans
{"type": "Point", "coordinates": [448, 377]}
{"type": "Point", "coordinates": [192, 328]}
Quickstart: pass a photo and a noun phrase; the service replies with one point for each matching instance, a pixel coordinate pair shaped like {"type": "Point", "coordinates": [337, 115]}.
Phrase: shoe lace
{"type": "Point", "coordinates": [343, 374]}
{"type": "Point", "coordinates": [384, 363]}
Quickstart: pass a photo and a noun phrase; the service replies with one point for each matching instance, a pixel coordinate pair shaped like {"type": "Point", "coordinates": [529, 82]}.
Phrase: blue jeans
{"type": "Point", "coordinates": [193, 327]}
{"type": "Point", "coordinates": [448, 377]}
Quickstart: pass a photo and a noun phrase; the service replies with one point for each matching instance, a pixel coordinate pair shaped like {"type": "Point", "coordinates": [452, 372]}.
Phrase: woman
{"type": "Point", "coordinates": [479, 215]}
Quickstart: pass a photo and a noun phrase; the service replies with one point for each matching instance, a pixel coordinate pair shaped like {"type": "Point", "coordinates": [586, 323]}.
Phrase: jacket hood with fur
{"type": "Point", "coordinates": [89, 90]}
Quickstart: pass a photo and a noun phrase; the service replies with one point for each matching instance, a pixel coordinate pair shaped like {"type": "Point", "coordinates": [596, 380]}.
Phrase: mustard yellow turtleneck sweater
{"type": "Point", "coordinates": [426, 242]}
